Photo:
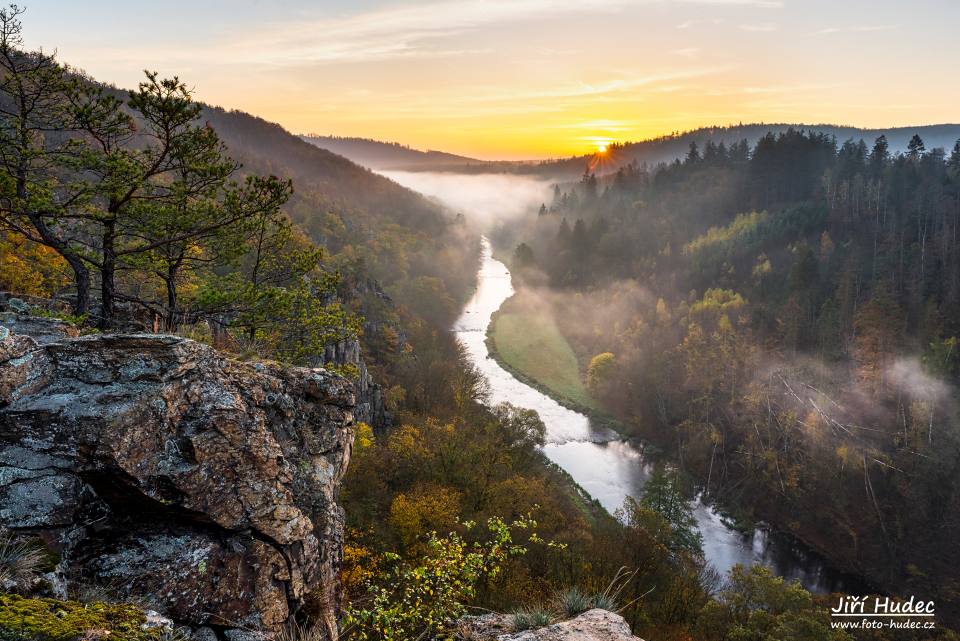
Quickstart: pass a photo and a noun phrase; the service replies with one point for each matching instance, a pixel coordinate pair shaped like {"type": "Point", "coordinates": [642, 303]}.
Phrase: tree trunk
{"type": "Point", "coordinates": [81, 272]}
{"type": "Point", "coordinates": [108, 271]}
{"type": "Point", "coordinates": [81, 276]}
{"type": "Point", "coordinates": [171, 282]}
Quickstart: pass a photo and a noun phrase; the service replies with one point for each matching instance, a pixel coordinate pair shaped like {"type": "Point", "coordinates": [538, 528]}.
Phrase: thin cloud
{"type": "Point", "coordinates": [471, 102]}
{"type": "Point", "coordinates": [687, 52]}
{"type": "Point", "coordinates": [762, 4]}
{"type": "Point", "coordinates": [877, 27]}
{"type": "Point", "coordinates": [788, 88]}
{"type": "Point", "coordinates": [692, 23]}
{"type": "Point", "coordinates": [401, 31]}
{"type": "Point", "coordinates": [599, 125]}
{"type": "Point", "coordinates": [856, 29]}
{"type": "Point", "coordinates": [588, 90]}
{"type": "Point", "coordinates": [759, 28]}
{"type": "Point", "coordinates": [416, 30]}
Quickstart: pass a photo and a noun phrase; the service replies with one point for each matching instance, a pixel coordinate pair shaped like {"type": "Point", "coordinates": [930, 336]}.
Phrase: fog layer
{"type": "Point", "coordinates": [485, 199]}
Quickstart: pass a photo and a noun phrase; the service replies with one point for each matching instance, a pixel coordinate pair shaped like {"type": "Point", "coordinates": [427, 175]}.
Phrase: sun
{"type": "Point", "coordinates": [602, 148]}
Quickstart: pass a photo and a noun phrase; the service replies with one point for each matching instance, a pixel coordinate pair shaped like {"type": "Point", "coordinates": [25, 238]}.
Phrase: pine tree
{"type": "Point", "coordinates": [589, 184]}
{"type": "Point", "coordinates": [916, 148]}
{"type": "Point", "coordinates": [953, 164]}
{"type": "Point", "coordinates": [879, 157]}
{"type": "Point", "coordinates": [564, 233]}
{"type": "Point", "coordinates": [663, 495]}
{"type": "Point", "coordinates": [522, 257]}
{"type": "Point", "coordinates": [38, 97]}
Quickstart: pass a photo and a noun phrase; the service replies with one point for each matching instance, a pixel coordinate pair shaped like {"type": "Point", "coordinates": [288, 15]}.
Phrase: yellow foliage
{"type": "Point", "coordinates": [394, 397]}
{"type": "Point", "coordinates": [359, 565]}
{"type": "Point", "coordinates": [407, 443]}
{"type": "Point", "coordinates": [843, 453]}
{"type": "Point", "coordinates": [30, 269]}
{"type": "Point", "coordinates": [390, 337]}
{"type": "Point", "coordinates": [663, 312]}
{"type": "Point", "coordinates": [600, 370]}
{"type": "Point", "coordinates": [426, 509]}
{"type": "Point", "coordinates": [718, 301]}
{"type": "Point", "coordinates": [364, 436]}
{"type": "Point", "coordinates": [742, 225]}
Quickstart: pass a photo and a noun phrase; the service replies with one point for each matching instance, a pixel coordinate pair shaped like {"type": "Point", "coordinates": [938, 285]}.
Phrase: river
{"type": "Point", "coordinates": [610, 468]}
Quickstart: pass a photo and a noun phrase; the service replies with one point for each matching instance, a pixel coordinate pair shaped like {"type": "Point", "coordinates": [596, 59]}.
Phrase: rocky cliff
{"type": "Point", "coordinates": [161, 470]}
{"type": "Point", "coordinates": [370, 407]}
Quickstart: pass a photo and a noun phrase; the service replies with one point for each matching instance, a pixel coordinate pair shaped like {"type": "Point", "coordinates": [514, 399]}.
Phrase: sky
{"type": "Point", "coordinates": [518, 79]}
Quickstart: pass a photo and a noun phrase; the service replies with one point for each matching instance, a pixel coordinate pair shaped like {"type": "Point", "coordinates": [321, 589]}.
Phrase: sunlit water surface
{"type": "Point", "coordinates": [610, 468]}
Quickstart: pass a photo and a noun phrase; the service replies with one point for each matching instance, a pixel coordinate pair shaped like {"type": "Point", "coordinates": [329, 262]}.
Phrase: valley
{"type": "Point", "coordinates": [600, 321]}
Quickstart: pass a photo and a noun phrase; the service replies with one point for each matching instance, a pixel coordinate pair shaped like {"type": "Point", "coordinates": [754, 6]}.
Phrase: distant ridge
{"type": "Point", "coordinates": [669, 148]}
{"type": "Point", "coordinates": [375, 154]}
{"type": "Point", "coordinates": [663, 149]}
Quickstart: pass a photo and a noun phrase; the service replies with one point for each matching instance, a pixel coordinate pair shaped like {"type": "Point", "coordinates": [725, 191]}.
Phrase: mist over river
{"type": "Point", "coordinates": [610, 468]}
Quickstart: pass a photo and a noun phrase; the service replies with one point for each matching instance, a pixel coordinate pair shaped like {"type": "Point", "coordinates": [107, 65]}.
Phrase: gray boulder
{"type": "Point", "coordinates": [593, 625]}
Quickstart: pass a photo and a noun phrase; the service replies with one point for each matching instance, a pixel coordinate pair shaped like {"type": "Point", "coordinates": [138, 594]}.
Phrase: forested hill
{"type": "Point", "coordinates": [387, 155]}
{"type": "Point", "coordinates": [785, 317]}
{"type": "Point", "coordinates": [268, 147]}
{"type": "Point", "coordinates": [368, 223]}
{"type": "Point", "coordinates": [671, 147]}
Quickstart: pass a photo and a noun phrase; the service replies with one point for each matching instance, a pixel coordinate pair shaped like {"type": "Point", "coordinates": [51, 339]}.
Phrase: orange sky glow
{"type": "Point", "coordinates": [517, 79]}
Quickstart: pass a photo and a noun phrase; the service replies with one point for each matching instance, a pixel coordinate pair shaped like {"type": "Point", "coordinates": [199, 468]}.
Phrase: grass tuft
{"type": "Point", "coordinates": [604, 602]}
{"type": "Point", "coordinates": [573, 602]}
{"type": "Point", "coordinates": [301, 632]}
{"type": "Point", "coordinates": [531, 618]}
{"type": "Point", "coordinates": [21, 562]}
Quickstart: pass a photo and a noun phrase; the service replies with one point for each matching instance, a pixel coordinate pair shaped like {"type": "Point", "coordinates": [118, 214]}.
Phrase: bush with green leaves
{"type": "Point", "coordinates": [413, 599]}
{"type": "Point", "coordinates": [758, 605]}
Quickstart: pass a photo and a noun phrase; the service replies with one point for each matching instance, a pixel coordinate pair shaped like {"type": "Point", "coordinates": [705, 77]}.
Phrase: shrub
{"type": "Point", "coordinates": [414, 599]}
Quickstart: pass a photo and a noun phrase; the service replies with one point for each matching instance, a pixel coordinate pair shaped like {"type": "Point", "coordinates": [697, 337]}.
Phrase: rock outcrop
{"type": "Point", "coordinates": [593, 625]}
{"type": "Point", "coordinates": [370, 408]}
{"type": "Point", "coordinates": [163, 471]}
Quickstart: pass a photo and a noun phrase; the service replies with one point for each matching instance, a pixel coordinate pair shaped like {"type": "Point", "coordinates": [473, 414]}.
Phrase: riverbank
{"type": "Point", "coordinates": [507, 328]}
{"type": "Point", "coordinates": [737, 516]}
{"type": "Point", "coordinates": [597, 466]}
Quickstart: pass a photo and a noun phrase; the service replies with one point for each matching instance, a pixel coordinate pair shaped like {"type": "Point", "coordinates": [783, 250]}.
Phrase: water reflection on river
{"type": "Point", "coordinates": [610, 468]}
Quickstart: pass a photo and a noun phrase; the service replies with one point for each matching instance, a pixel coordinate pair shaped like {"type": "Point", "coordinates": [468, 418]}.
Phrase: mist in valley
{"type": "Point", "coordinates": [486, 200]}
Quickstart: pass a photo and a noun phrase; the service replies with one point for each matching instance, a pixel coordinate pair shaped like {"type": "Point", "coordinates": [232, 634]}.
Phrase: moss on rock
{"type": "Point", "coordinates": [24, 618]}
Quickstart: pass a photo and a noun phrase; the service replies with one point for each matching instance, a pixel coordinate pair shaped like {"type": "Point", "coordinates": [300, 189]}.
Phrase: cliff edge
{"type": "Point", "coordinates": [164, 471]}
